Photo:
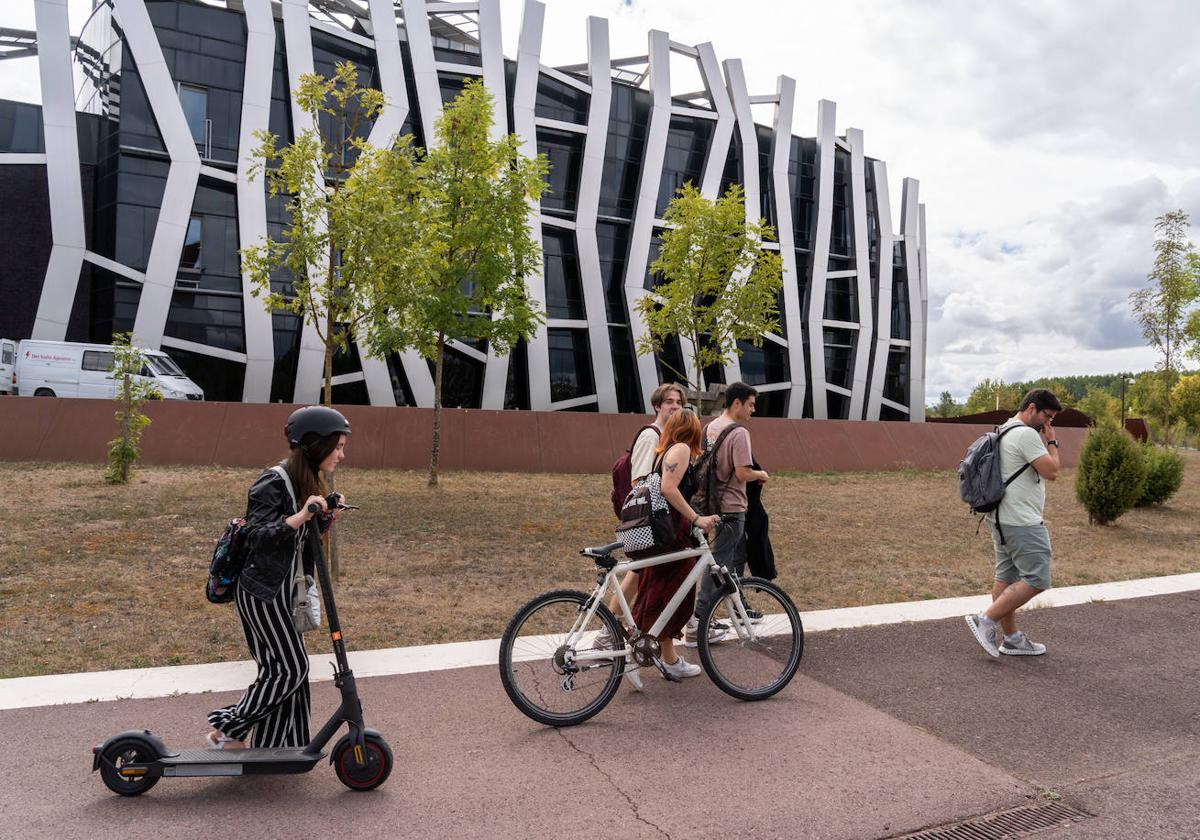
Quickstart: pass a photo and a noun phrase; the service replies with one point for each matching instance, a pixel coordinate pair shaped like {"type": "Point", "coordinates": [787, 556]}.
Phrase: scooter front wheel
{"type": "Point", "coordinates": [372, 772]}
{"type": "Point", "coordinates": [124, 752]}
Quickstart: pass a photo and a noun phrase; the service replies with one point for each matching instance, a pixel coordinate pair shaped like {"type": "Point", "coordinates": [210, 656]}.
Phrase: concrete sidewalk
{"type": "Point", "coordinates": [888, 729]}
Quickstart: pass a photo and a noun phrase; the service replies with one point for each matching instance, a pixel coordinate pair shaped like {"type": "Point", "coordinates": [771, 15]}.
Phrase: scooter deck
{"type": "Point", "coordinates": [206, 762]}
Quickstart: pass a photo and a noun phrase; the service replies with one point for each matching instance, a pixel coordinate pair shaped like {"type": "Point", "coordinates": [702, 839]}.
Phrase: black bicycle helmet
{"type": "Point", "coordinates": [313, 422]}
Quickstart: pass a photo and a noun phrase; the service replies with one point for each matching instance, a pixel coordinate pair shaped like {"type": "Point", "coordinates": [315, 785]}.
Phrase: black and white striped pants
{"type": "Point", "coordinates": [276, 705]}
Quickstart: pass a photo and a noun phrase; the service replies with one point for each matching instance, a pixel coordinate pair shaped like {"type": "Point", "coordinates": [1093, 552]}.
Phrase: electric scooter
{"type": "Point", "coordinates": [132, 762]}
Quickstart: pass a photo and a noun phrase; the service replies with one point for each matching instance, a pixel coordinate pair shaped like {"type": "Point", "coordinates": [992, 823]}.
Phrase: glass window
{"type": "Point", "coordinates": [895, 380]}
{"type": "Point", "coordinates": [564, 291]}
{"type": "Point", "coordinates": [7, 357]}
{"type": "Point", "coordinates": [841, 299]}
{"type": "Point", "coordinates": [900, 319]}
{"type": "Point", "coordinates": [92, 360]}
{"type": "Point", "coordinates": [163, 365]}
{"type": "Point", "coordinates": [190, 256]}
{"type": "Point", "coordinates": [565, 154]}
{"type": "Point", "coordinates": [687, 143]}
{"type": "Point", "coordinates": [570, 364]}
{"type": "Point", "coordinates": [195, 110]}
{"type": "Point", "coordinates": [613, 241]}
{"type": "Point", "coordinates": [559, 101]}
{"type": "Point", "coordinates": [839, 357]}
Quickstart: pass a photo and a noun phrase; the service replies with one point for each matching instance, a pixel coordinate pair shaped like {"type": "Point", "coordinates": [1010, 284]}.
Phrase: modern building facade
{"type": "Point", "coordinates": [131, 187]}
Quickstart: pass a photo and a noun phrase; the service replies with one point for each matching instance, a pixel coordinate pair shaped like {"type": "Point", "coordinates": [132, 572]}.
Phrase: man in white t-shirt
{"type": "Point", "coordinates": [1029, 457]}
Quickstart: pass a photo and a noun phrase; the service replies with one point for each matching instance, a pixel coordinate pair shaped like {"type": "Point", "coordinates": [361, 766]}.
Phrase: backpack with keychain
{"type": "Point", "coordinates": [646, 527]}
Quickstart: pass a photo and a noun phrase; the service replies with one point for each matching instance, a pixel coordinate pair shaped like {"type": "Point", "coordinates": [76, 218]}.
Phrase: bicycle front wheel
{"type": "Point", "coordinates": [756, 659]}
{"type": "Point", "coordinates": [555, 668]}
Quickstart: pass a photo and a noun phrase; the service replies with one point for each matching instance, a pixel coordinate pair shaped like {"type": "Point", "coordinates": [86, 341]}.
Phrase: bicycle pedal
{"type": "Point", "coordinates": [662, 669]}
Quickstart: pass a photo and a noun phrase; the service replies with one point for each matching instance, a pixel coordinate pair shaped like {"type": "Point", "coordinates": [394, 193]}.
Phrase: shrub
{"type": "Point", "coordinates": [1164, 475]}
{"type": "Point", "coordinates": [1111, 475]}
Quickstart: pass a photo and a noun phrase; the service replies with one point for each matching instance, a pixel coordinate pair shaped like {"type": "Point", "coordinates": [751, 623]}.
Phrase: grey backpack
{"type": "Point", "coordinates": [980, 483]}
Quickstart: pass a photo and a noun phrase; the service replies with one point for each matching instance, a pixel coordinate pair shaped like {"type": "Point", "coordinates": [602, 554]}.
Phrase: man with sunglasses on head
{"type": "Point", "coordinates": [1029, 451]}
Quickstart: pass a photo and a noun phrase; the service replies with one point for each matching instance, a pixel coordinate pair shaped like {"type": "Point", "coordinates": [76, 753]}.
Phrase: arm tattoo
{"type": "Point", "coordinates": [671, 467]}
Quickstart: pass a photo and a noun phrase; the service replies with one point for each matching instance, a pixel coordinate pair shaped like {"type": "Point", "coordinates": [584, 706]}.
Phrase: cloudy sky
{"type": "Point", "coordinates": [1046, 136]}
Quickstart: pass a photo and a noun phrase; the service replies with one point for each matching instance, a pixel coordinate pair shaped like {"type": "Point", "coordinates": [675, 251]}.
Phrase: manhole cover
{"type": "Point", "coordinates": [1018, 822]}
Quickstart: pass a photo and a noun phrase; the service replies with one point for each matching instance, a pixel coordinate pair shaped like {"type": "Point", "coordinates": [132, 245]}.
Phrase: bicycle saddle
{"type": "Point", "coordinates": [601, 553]}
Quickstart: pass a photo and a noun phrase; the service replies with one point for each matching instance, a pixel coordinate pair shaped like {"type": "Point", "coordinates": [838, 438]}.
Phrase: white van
{"type": "Point", "coordinates": [8, 365]}
{"type": "Point", "coordinates": [72, 369]}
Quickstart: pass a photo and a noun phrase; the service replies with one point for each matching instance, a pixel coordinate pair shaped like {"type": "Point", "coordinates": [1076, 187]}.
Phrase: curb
{"type": "Point", "coordinates": [140, 683]}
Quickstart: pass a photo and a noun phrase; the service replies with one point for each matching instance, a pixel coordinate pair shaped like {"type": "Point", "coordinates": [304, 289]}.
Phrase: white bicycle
{"type": "Point", "coordinates": [563, 654]}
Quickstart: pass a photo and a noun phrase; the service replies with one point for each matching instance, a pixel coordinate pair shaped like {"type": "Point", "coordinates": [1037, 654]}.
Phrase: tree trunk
{"type": "Point", "coordinates": [437, 410]}
{"type": "Point", "coordinates": [328, 363]}
{"type": "Point", "coordinates": [126, 410]}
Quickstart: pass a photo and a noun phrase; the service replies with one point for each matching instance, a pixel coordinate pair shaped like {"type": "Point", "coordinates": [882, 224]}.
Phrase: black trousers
{"type": "Point", "coordinates": [276, 705]}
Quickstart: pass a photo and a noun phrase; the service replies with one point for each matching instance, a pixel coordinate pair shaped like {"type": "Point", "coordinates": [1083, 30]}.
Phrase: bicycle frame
{"type": "Point", "coordinates": [707, 565]}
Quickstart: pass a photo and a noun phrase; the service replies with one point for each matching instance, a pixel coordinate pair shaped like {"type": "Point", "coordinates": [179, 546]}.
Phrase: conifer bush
{"type": "Point", "coordinates": [1111, 475]}
{"type": "Point", "coordinates": [1164, 475]}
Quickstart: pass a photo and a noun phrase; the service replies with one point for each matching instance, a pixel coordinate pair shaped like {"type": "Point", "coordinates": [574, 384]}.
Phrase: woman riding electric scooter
{"type": "Point", "coordinates": [275, 707]}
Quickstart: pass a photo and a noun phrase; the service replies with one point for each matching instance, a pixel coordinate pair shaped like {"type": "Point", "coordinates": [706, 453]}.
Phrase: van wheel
{"type": "Point", "coordinates": [43, 392]}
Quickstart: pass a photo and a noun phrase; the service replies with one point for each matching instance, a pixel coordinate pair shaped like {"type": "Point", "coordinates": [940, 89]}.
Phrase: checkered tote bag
{"type": "Point", "coordinates": [646, 524]}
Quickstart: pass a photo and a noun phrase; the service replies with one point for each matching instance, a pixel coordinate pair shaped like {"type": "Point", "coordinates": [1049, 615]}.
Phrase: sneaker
{"type": "Point", "coordinates": [604, 639]}
{"type": "Point", "coordinates": [988, 635]}
{"type": "Point", "coordinates": [1022, 646]}
{"type": "Point", "coordinates": [635, 679]}
{"type": "Point", "coordinates": [716, 632]}
{"type": "Point", "coordinates": [754, 615]}
{"type": "Point", "coordinates": [681, 669]}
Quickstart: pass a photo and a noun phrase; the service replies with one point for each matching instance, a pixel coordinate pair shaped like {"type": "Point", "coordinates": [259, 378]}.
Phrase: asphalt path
{"type": "Point", "coordinates": [887, 730]}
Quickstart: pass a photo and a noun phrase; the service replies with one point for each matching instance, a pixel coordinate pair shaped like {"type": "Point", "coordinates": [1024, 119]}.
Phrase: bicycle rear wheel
{"type": "Point", "coordinates": [539, 668]}
{"type": "Point", "coordinates": [753, 669]}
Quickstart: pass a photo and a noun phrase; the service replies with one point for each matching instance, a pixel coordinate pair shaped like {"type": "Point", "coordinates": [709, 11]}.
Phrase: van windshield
{"type": "Point", "coordinates": [164, 366]}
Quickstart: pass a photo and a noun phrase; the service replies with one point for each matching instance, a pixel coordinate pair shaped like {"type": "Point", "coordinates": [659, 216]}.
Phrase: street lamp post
{"type": "Point", "coordinates": [1124, 379]}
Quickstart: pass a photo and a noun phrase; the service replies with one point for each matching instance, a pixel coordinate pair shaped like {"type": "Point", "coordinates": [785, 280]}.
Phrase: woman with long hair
{"type": "Point", "coordinates": [276, 705]}
{"type": "Point", "coordinates": [677, 448]}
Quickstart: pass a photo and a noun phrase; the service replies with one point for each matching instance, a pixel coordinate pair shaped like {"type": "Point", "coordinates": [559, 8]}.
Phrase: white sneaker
{"type": "Point", "coordinates": [635, 679]}
{"type": "Point", "coordinates": [1022, 645]}
{"type": "Point", "coordinates": [716, 632]}
{"type": "Point", "coordinates": [682, 669]}
{"type": "Point", "coordinates": [987, 634]}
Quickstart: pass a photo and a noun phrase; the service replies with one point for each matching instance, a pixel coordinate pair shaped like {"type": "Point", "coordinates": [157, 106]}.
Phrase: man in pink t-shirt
{"type": "Point", "coordinates": [734, 469]}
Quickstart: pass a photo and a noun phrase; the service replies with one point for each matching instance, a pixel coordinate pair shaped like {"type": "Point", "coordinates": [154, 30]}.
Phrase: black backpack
{"type": "Point", "coordinates": [707, 498]}
{"type": "Point", "coordinates": [226, 566]}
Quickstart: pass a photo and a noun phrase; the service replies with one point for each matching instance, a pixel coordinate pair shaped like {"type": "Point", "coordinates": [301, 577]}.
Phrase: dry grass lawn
{"type": "Point", "coordinates": [95, 577]}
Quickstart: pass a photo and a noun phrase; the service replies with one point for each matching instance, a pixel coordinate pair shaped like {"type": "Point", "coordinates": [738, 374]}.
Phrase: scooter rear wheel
{"type": "Point", "coordinates": [123, 752]}
{"type": "Point", "coordinates": [375, 770]}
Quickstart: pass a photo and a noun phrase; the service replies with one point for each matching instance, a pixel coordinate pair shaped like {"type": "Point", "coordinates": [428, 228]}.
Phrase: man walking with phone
{"type": "Point", "coordinates": [1028, 451]}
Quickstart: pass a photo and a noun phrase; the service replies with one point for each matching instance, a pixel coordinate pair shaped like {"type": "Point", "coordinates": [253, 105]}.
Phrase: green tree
{"type": "Point", "coordinates": [132, 392]}
{"type": "Point", "coordinates": [946, 406]}
{"type": "Point", "coordinates": [991, 395]}
{"type": "Point", "coordinates": [1185, 399]}
{"type": "Point", "coordinates": [1111, 474]}
{"type": "Point", "coordinates": [349, 207]}
{"type": "Point", "coordinates": [1149, 397]}
{"type": "Point", "coordinates": [1164, 475]}
{"type": "Point", "coordinates": [1100, 405]}
{"type": "Point", "coordinates": [719, 286]}
{"type": "Point", "coordinates": [473, 250]}
{"type": "Point", "coordinates": [1161, 309]}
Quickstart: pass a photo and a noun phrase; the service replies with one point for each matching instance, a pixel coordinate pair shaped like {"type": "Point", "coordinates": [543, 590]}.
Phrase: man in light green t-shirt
{"type": "Point", "coordinates": [1029, 458]}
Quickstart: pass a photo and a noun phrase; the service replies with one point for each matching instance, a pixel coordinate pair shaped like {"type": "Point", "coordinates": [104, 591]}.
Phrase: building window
{"type": "Point", "coordinates": [564, 290]}
{"type": "Point", "coordinates": [195, 110]}
{"type": "Point", "coordinates": [895, 380]}
{"type": "Point", "coordinates": [564, 151]}
{"type": "Point", "coordinates": [189, 258]}
{"type": "Point", "coordinates": [839, 356]}
{"type": "Point", "coordinates": [570, 365]}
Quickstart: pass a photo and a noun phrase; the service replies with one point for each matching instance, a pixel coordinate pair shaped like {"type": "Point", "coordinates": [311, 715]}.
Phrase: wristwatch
{"type": "Point", "coordinates": [1052, 443]}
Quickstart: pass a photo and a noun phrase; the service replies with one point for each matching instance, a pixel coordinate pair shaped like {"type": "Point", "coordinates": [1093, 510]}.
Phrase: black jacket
{"type": "Point", "coordinates": [760, 556]}
{"type": "Point", "coordinates": [270, 543]}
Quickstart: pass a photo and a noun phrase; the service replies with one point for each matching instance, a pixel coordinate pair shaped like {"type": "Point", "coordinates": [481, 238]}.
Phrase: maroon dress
{"type": "Point", "coordinates": [658, 584]}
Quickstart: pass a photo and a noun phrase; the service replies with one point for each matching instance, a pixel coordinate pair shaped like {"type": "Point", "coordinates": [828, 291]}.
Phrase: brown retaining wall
{"type": "Point", "coordinates": [239, 434]}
